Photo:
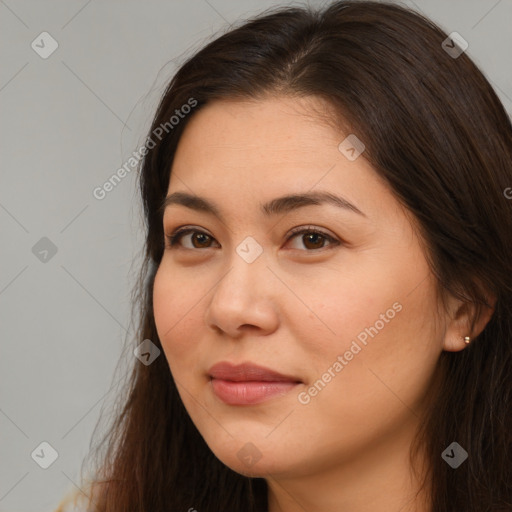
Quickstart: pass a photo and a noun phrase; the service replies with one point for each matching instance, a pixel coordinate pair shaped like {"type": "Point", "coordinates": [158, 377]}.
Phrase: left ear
{"type": "Point", "coordinates": [459, 323]}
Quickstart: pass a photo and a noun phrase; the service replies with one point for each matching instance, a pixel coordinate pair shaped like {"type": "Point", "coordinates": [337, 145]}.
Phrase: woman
{"type": "Point", "coordinates": [326, 300]}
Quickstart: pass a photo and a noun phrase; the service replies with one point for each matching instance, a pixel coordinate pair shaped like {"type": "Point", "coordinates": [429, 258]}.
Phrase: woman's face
{"type": "Point", "coordinates": [349, 315]}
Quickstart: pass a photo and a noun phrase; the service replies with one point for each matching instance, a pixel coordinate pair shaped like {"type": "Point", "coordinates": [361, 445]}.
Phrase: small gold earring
{"type": "Point", "coordinates": [467, 340]}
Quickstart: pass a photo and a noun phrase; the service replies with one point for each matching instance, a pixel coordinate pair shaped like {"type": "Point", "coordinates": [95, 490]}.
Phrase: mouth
{"type": "Point", "coordinates": [249, 392]}
{"type": "Point", "coordinates": [248, 384]}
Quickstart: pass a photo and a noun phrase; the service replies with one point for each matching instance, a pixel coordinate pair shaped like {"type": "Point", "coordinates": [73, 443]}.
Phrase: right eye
{"type": "Point", "coordinates": [199, 237]}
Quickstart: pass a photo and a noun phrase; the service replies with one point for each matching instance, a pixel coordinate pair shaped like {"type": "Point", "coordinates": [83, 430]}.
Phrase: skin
{"type": "Point", "coordinates": [299, 306]}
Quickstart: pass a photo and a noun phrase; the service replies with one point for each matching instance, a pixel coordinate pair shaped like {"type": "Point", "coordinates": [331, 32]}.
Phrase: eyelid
{"type": "Point", "coordinates": [174, 238]}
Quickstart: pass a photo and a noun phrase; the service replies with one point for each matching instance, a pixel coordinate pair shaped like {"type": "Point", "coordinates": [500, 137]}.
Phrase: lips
{"type": "Point", "coordinates": [248, 372]}
{"type": "Point", "coordinates": [248, 384]}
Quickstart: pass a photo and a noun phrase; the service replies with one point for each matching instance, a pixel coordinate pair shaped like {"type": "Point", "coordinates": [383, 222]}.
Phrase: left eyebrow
{"type": "Point", "coordinates": [277, 206]}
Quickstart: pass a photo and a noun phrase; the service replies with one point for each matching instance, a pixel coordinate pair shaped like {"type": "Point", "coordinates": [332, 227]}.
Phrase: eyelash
{"type": "Point", "coordinates": [175, 237]}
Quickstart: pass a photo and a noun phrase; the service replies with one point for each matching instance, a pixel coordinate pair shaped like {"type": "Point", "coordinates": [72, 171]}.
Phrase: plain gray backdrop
{"type": "Point", "coordinates": [69, 260]}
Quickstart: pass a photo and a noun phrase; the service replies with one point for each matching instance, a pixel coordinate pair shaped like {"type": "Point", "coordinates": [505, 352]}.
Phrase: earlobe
{"type": "Point", "coordinates": [459, 334]}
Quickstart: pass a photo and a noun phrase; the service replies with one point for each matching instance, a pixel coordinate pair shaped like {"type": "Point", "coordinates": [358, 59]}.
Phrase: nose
{"type": "Point", "coordinates": [244, 299]}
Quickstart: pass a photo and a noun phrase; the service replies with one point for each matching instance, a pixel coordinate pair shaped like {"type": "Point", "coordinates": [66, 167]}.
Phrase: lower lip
{"type": "Point", "coordinates": [249, 392]}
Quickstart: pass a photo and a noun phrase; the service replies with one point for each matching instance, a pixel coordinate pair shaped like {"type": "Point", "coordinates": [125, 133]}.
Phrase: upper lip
{"type": "Point", "coordinates": [247, 372]}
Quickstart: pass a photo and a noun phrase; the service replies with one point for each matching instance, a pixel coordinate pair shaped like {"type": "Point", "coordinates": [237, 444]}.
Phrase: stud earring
{"type": "Point", "coordinates": [467, 340]}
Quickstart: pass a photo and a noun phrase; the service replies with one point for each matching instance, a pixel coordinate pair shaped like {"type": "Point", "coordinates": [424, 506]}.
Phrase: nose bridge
{"type": "Point", "coordinates": [247, 267]}
{"type": "Point", "coordinates": [242, 296]}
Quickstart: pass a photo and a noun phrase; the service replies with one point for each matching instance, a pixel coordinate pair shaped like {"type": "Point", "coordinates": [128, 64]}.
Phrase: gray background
{"type": "Point", "coordinates": [68, 123]}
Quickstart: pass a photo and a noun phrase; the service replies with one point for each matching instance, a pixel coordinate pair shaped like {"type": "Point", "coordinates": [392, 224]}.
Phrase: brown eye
{"type": "Point", "coordinates": [199, 239]}
{"type": "Point", "coordinates": [313, 239]}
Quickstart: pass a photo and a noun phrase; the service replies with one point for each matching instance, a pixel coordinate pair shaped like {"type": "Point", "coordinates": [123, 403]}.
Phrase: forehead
{"type": "Point", "coordinates": [271, 128]}
{"type": "Point", "coordinates": [247, 151]}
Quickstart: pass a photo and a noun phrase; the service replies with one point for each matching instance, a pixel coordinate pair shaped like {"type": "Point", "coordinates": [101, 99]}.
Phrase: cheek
{"type": "Point", "coordinates": [176, 305]}
{"type": "Point", "coordinates": [351, 305]}
{"type": "Point", "coordinates": [382, 327]}
{"type": "Point", "coordinates": [388, 353]}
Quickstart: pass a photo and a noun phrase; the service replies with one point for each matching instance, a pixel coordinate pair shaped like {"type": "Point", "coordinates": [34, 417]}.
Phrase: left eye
{"type": "Point", "coordinates": [313, 239]}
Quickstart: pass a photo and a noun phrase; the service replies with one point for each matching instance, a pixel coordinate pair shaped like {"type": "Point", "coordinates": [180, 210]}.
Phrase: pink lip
{"type": "Point", "coordinates": [247, 383]}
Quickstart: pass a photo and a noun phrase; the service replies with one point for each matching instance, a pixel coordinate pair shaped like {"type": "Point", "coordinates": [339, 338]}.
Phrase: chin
{"type": "Point", "coordinates": [252, 459]}
{"type": "Point", "coordinates": [260, 469]}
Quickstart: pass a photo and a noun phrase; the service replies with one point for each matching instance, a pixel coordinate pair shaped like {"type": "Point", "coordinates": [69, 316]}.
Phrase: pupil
{"type": "Point", "coordinates": [199, 236]}
{"type": "Point", "coordinates": [313, 236]}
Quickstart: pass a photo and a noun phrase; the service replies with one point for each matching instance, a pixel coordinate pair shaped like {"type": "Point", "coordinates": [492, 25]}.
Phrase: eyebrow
{"type": "Point", "coordinates": [279, 205]}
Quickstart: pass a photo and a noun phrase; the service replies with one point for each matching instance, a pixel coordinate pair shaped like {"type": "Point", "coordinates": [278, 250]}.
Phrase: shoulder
{"type": "Point", "coordinates": [75, 501]}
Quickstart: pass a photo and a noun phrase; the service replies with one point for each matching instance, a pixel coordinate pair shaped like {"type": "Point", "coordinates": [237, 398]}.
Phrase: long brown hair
{"type": "Point", "coordinates": [436, 131]}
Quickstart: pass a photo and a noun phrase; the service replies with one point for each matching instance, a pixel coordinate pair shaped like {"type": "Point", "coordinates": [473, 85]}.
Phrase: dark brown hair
{"type": "Point", "coordinates": [437, 133]}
